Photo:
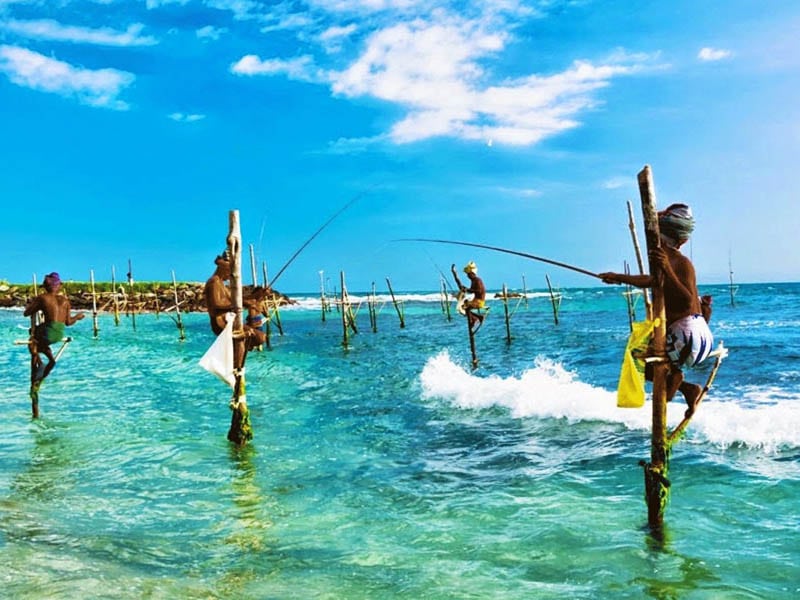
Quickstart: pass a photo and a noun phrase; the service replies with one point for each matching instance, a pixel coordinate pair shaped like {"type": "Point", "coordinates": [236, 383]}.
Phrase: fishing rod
{"type": "Point", "coordinates": [316, 233]}
{"type": "Point", "coordinates": [507, 251]}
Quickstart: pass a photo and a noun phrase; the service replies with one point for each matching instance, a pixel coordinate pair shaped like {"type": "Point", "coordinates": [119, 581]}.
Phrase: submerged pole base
{"type": "Point", "coordinates": [240, 431]}
{"type": "Point", "coordinates": [656, 490]}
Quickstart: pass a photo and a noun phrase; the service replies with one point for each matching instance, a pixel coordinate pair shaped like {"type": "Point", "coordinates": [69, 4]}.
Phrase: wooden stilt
{"type": "Point", "coordinates": [397, 305]}
{"type": "Point", "coordinates": [639, 260]}
{"type": "Point", "coordinates": [472, 349]}
{"type": "Point", "coordinates": [508, 316]}
{"type": "Point", "coordinates": [116, 299]}
{"type": "Point", "coordinates": [322, 300]}
{"type": "Point", "coordinates": [345, 327]}
{"type": "Point", "coordinates": [178, 320]}
{"type": "Point", "coordinates": [524, 291]}
{"type": "Point", "coordinates": [657, 470]}
{"type": "Point", "coordinates": [554, 300]}
{"type": "Point", "coordinates": [95, 328]}
{"type": "Point", "coordinates": [240, 431]}
{"type": "Point", "coordinates": [132, 305]}
{"type": "Point", "coordinates": [373, 310]}
{"type": "Point", "coordinates": [446, 300]}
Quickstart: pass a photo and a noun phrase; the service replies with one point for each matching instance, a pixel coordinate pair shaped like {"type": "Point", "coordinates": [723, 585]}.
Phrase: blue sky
{"type": "Point", "coordinates": [131, 128]}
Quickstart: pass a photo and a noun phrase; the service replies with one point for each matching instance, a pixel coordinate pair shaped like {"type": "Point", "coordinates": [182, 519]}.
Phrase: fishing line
{"type": "Point", "coordinates": [507, 251]}
{"type": "Point", "coordinates": [316, 233]}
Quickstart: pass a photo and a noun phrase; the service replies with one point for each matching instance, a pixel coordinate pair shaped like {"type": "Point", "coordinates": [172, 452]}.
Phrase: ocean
{"type": "Point", "coordinates": [392, 469]}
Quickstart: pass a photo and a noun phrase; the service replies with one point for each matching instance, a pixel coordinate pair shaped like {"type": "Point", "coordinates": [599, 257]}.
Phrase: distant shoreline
{"type": "Point", "coordinates": [141, 297]}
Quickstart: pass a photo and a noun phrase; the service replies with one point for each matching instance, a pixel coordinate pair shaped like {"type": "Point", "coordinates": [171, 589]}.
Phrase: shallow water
{"type": "Point", "coordinates": [391, 469]}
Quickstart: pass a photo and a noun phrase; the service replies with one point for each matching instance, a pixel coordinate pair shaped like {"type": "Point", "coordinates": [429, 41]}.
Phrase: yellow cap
{"type": "Point", "coordinates": [471, 266]}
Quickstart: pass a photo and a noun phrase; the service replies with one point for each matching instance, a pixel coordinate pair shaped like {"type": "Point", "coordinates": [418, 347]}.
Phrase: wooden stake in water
{"type": "Point", "coordinates": [178, 320]}
{"type": "Point", "coordinates": [95, 328]}
{"type": "Point", "coordinates": [344, 311]}
{"type": "Point", "coordinates": [373, 309]}
{"type": "Point", "coordinates": [524, 291]}
{"type": "Point", "coordinates": [555, 300]}
{"type": "Point", "coordinates": [632, 226]}
{"type": "Point", "coordinates": [114, 296]}
{"type": "Point", "coordinates": [508, 316]}
{"type": "Point", "coordinates": [628, 297]}
{"type": "Point", "coordinates": [446, 300]}
{"type": "Point", "coordinates": [397, 305]}
{"type": "Point", "coordinates": [322, 294]}
{"type": "Point", "coordinates": [132, 303]}
{"type": "Point", "coordinates": [733, 288]}
{"type": "Point", "coordinates": [240, 431]}
{"type": "Point", "coordinates": [656, 471]}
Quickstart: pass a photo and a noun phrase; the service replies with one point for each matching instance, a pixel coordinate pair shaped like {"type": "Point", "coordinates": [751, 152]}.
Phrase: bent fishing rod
{"type": "Point", "coordinates": [315, 234]}
{"type": "Point", "coordinates": [506, 251]}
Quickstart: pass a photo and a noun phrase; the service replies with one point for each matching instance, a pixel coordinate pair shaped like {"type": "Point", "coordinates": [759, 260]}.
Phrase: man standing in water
{"type": "Point", "coordinates": [478, 291]}
{"type": "Point", "coordinates": [689, 339]}
{"type": "Point", "coordinates": [57, 316]}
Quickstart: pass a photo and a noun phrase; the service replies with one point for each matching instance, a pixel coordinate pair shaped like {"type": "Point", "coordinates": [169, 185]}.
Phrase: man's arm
{"type": "Point", "coordinates": [455, 276]}
{"type": "Point", "coordinates": [34, 305]}
{"type": "Point", "coordinates": [640, 281]}
{"type": "Point", "coordinates": [71, 319]}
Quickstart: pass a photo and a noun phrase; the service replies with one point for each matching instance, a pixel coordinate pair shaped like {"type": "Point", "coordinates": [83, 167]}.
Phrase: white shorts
{"type": "Point", "coordinates": [689, 341]}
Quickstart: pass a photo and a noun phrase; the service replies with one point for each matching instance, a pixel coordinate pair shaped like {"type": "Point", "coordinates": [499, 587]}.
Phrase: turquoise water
{"type": "Point", "coordinates": [391, 469]}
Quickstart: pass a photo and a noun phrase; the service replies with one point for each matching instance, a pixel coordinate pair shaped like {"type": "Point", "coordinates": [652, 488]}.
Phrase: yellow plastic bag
{"type": "Point", "coordinates": [630, 391]}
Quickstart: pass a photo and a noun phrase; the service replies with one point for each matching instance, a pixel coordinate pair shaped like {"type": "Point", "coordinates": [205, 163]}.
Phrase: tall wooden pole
{"type": "Point", "coordinates": [178, 320]}
{"type": "Point", "coordinates": [322, 300]}
{"type": "Point", "coordinates": [446, 300]}
{"type": "Point", "coordinates": [656, 471]}
{"type": "Point", "coordinates": [397, 305]}
{"type": "Point", "coordinates": [240, 431]}
{"type": "Point", "coordinates": [345, 333]}
{"type": "Point", "coordinates": [130, 285]}
{"type": "Point", "coordinates": [95, 328]}
{"type": "Point", "coordinates": [373, 306]}
{"type": "Point", "coordinates": [553, 300]}
{"type": "Point", "coordinates": [114, 292]}
{"type": "Point", "coordinates": [524, 290]}
{"type": "Point", "coordinates": [508, 316]}
{"type": "Point", "coordinates": [639, 259]}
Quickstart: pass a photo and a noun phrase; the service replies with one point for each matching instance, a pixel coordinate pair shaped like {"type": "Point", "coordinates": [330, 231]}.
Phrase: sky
{"type": "Point", "coordinates": [129, 130]}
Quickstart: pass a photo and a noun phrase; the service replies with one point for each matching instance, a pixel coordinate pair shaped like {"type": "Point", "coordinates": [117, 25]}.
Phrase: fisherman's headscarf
{"type": "Point", "coordinates": [675, 224]}
{"type": "Point", "coordinates": [471, 267]}
{"type": "Point", "coordinates": [225, 256]}
{"type": "Point", "coordinates": [52, 281]}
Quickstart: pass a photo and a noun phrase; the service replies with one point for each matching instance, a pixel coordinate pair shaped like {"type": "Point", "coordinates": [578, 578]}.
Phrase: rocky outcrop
{"type": "Point", "coordinates": [149, 298]}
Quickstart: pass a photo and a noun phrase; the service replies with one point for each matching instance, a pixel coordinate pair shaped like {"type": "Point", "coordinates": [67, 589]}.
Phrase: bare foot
{"type": "Point", "coordinates": [691, 391]}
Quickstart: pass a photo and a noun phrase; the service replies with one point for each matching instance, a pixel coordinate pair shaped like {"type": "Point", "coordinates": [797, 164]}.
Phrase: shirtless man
{"type": "Point", "coordinates": [689, 340]}
{"type": "Point", "coordinates": [219, 303]}
{"type": "Point", "coordinates": [478, 291]}
{"type": "Point", "coordinates": [57, 316]}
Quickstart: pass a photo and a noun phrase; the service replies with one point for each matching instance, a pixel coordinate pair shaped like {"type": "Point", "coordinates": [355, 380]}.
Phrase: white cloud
{"type": "Point", "coordinates": [209, 32]}
{"type": "Point", "coordinates": [336, 32]}
{"type": "Point", "coordinates": [615, 183]}
{"type": "Point", "coordinates": [520, 192]}
{"type": "Point", "coordinates": [151, 4]}
{"type": "Point", "coordinates": [48, 29]}
{"type": "Point", "coordinates": [184, 118]}
{"type": "Point", "coordinates": [300, 68]}
{"type": "Point", "coordinates": [436, 71]}
{"type": "Point", "coordinates": [712, 54]}
{"type": "Point", "coordinates": [98, 88]}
